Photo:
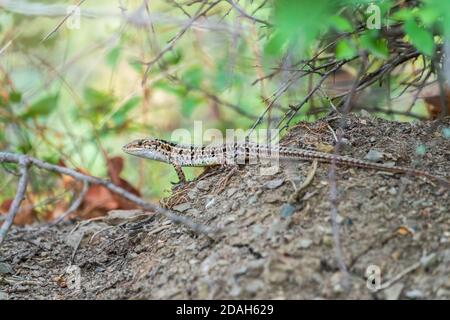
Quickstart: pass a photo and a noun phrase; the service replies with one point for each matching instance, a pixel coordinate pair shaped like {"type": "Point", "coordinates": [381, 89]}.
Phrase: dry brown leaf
{"type": "Point", "coordinates": [25, 215]}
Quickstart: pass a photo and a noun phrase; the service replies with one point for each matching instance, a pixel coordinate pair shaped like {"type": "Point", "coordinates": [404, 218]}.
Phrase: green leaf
{"type": "Point", "coordinates": [402, 14]}
{"type": "Point", "coordinates": [173, 57]}
{"type": "Point", "coordinates": [188, 105]}
{"type": "Point", "coordinates": [120, 115]}
{"type": "Point", "coordinates": [113, 56]}
{"type": "Point", "coordinates": [428, 16]}
{"type": "Point", "coordinates": [341, 24]}
{"type": "Point", "coordinates": [42, 107]}
{"type": "Point", "coordinates": [15, 96]}
{"type": "Point", "coordinates": [298, 23]}
{"type": "Point", "coordinates": [443, 8]}
{"type": "Point", "coordinates": [193, 77]}
{"type": "Point", "coordinates": [373, 44]}
{"type": "Point", "coordinates": [179, 91]}
{"type": "Point", "coordinates": [344, 50]}
{"type": "Point", "coordinates": [98, 99]}
{"type": "Point", "coordinates": [421, 38]}
{"type": "Point", "coordinates": [135, 65]}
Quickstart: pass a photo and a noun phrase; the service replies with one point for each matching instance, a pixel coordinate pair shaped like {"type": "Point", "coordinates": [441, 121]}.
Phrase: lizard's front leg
{"type": "Point", "coordinates": [180, 173]}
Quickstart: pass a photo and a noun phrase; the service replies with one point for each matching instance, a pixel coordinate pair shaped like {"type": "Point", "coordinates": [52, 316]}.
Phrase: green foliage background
{"type": "Point", "coordinates": [67, 97]}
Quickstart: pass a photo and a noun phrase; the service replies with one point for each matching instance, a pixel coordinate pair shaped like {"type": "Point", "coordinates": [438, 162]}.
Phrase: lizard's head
{"type": "Point", "coordinates": [149, 148]}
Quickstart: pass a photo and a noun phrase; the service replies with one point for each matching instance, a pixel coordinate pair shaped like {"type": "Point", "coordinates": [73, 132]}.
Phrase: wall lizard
{"type": "Point", "coordinates": [184, 155]}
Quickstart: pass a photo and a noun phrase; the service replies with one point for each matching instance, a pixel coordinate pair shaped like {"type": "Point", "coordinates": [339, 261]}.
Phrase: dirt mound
{"type": "Point", "coordinates": [272, 246]}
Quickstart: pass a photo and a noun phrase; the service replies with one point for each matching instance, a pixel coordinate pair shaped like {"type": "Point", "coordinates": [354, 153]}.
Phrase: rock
{"type": "Point", "coordinates": [5, 268]}
{"type": "Point", "coordinates": [83, 234]}
{"type": "Point", "coordinates": [255, 267]}
{"type": "Point", "coordinates": [209, 262]}
{"type": "Point", "coordinates": [392, 191]}
{"type": "Point", "coordinates": [304, 243]}
{"type": "Point", "coordinates": [414, 294]}
{"type": "Point", "coordinates": [287, 210]}
{"type": "Point", "coordinates": [336, 282]}
{"type": "Point", "coordinates": [365, 114]}
{"type": "Point", "coordinates": [446, 133]}
{"type": "Point", "coordinates": [116, 217]}
{"type": "Point", "coordinates": [253, 199]}
{"type": "Point", "coordinates": [192, 194]}
{"type": "Point", "coordinates": [374, 155]}
{"type": "Point", "coordinates": [239, 271]}
{"type": "Point", "coordinates": [235, 291]}
{"type": "Point", "coordinates": [443, 293]}
{"type": "Point", "coordinates": [272, 197]}
{"type": "Point", "coordinates": [339, 219]}
{"type": "Point", "coordinates": [273, 184]}
{"type": "Point", "coordinates": [327, 241]}
{"type": "Point", "coordinates": [394, 291]}
{"type": "Point", "coordinates": [204, 185]}
{"type": "Point", "coordinates": [429, 260]}
{"type": "Point", "coordinates": [231, 192]}
{"type": "Point", "coordinates": [210, 202]}
{"type": "Point", "coordinates": [3, 295]}
{"type": "Point", "coordinates": [254, 286]}
{"type": "Point", "coordinates": [182, 207]}
{"type": "Point", "coordinates": [193, 212]}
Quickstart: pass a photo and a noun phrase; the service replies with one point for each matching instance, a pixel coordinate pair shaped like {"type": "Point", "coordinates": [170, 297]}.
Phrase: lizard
{"type": "Point", "coordinates": [186, 155]}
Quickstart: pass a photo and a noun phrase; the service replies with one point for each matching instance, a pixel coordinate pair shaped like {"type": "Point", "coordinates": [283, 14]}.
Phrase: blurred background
{"type": "Point", "coordinates": [79, 79]}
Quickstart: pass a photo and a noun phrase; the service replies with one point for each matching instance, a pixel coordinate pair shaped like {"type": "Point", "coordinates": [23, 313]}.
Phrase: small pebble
{"type": "Point", "coordinates": [429, 260]}
{"type": "Point", "coordinates": [287, 210]}
{"type": "Point", "coordinates": [254, 286]}
{"type": "Point", "coordinates": [394, 291]}
{"type": "Point", "coordinates": [273, 184]}
{"type": "Point", "coordinates": [182, 207]}
{"type": "Point", "coordinates": [374, 155]}
{"type": "Point", "coordinates": [393, 191]}
{"type": "Point", "coordinates": [231, 192]}
{"type": "Point", "coordinates": [414, 294]}
{"type": "Point", "coordinates": [5, 268]}
{"type": "Point", "coordinates": [304, 243]}
{"type": "Point", "coordinates": [253, 199]}
{"type": "Point", "coordinates": [204, 185]}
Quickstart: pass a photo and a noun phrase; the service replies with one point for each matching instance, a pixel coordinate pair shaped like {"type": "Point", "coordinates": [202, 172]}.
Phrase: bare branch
{"type": "Point", "coordinates": [246, 15]}
{"type": "Point", "coordinates": [20, 195]}
{"type": "Point", "coordinates": [74, 206]}
{"type": "Point", "coordinates": [23, 159]}
{"type": "Point", "coordinates": [67, 16]}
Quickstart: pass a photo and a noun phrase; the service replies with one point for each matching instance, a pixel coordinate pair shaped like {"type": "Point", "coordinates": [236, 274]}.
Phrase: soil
{"type": "Point", "coordinates": [272, 246]}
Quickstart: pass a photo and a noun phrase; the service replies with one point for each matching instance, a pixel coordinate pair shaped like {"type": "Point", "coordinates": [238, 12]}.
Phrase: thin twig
{"type": "Point", "coordinates": [20, 195]}
{"type": "Point", "coordinates": [67, 16]}
{"type": "Point", "coordinates": [246, 15]}
{"type": "Point", "coordinates": [333, 187]}
{"type": "Point", "coordinates": [74, 206]}
{"type": "Point", "coordinates": [19, 158]}
{"type": "Point", "coordinates": [172, 42]}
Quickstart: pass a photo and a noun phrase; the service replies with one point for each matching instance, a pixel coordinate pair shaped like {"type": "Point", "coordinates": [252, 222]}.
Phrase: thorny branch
{"type": "Point", "coordinates": [25, 161]}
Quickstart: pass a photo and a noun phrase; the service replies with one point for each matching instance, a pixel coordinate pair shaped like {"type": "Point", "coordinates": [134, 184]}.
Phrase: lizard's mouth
{"type": "Point", "coordinates": [128, 148]}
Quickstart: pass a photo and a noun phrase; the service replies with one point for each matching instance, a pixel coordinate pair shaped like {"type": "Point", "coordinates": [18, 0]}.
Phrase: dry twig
{"type": "Point", "coordinates": [25, 161]}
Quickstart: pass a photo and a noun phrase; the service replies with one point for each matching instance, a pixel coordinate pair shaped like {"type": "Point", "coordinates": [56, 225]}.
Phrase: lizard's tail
{"type": "Point", "coordinates": [291, 153]}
